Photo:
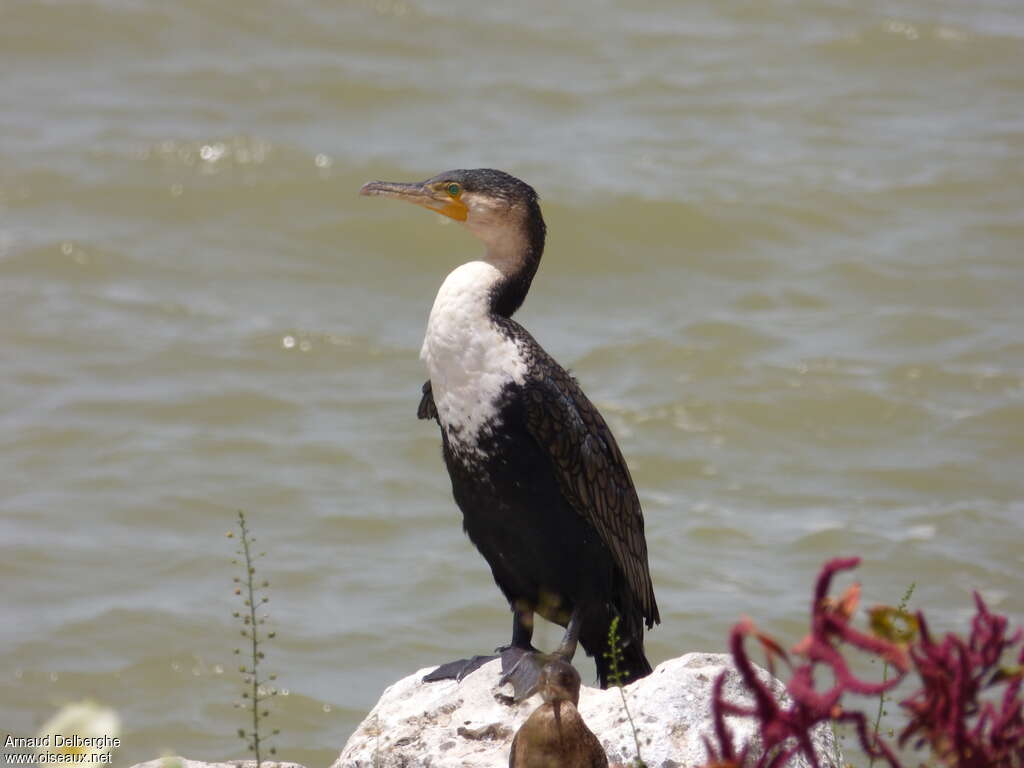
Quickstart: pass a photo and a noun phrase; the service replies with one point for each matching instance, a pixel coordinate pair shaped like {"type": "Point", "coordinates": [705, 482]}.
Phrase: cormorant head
{"type": "Point", "coordinates": [498, 208]}
{"type": "Point", "coordinates": [559, 681]}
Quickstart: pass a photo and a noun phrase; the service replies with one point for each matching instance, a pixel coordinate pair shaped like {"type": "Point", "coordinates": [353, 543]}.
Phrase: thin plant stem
{"type": "Point", "coordinates": [900, 609]}
{"type": "Point", "coordinates": [249, 571]}
{"type": "Point", "coordinates": [614, 656]}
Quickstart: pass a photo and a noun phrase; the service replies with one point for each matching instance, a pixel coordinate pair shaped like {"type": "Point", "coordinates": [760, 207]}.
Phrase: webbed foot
{"type": "Point", "coordinates": [457, 670]}
{"type": "Point", "coordinates": [522, 669]}
{"type": "Point", "coordinates": [522, 631]}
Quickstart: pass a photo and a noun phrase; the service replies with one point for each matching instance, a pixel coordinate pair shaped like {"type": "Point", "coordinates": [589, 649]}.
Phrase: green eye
{"type": "Point", "coordinates": [454, 189]}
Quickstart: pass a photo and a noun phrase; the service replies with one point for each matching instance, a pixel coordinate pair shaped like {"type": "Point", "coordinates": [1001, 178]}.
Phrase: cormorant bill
{"type": "Point", "coordinates": [545, 493]}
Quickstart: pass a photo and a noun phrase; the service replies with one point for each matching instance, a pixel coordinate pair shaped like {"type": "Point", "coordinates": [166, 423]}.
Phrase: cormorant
{"type": "Point", "coordinates": [554, 735]}
{"type": "Point", "coordinates": [545, 493]}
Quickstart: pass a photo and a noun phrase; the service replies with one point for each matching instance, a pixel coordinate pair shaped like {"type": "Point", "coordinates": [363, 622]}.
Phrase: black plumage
{"type": "Point", "coordinates": [555, 513]}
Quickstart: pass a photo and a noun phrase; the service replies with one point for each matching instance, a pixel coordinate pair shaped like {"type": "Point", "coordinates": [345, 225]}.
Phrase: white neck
{"type": "Point", "coordinates": [470, 360]}
{"type": "Point", "coordinates": [504, 241]}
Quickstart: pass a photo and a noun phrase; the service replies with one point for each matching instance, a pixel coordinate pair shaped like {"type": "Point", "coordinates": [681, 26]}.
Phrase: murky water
{"type": "Point", "coordinates": [785, 259]}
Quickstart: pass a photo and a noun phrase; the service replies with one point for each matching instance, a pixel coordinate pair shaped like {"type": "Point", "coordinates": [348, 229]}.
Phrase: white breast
{"type": "Point", "coordinates": [469, 359]}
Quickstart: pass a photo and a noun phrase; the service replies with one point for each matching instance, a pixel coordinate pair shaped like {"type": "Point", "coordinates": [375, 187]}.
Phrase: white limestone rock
{"type": "Point", "coordinates": [471, 724]}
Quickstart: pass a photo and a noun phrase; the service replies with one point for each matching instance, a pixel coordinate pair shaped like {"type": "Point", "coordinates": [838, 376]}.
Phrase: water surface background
{"type": "Point", "coordinates": [784, 260]}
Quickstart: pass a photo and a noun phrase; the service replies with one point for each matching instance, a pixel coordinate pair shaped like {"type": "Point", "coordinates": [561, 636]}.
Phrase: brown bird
{"type": "Point", "coordinates": [555, 736]}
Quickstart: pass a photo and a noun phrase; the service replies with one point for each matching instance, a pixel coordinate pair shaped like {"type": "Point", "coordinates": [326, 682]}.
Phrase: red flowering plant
{"type": "Point", "coordinates": [969, 707]}
{"type": "Point", "coordinates": [968, 710]}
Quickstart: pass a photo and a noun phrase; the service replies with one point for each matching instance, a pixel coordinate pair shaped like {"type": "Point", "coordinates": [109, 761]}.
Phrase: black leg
{"type": "Point", "coordinates": [523, 668]}
{"type": "Point", "coordinates": [522, 632]}
{"type": "Point", "coordinates": [567, 648]}
{"type": "Point", "coordinates": [522, 629]}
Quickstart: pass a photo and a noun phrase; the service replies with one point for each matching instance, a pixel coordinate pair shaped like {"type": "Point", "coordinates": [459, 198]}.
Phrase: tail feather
{"type": "Point", "coordinates": [633, 664]}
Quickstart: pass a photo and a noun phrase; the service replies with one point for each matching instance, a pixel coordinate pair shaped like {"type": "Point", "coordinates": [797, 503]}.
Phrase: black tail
{"type": "Point", "coordinates": [632, 663]}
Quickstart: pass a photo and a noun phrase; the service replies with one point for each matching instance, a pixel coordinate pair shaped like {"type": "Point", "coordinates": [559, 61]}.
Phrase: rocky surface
{"type": "Point", "coordinates": [471, 724]}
